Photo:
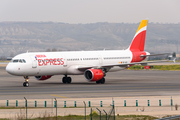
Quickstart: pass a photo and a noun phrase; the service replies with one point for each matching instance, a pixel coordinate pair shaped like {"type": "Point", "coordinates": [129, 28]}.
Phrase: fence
{"type": "Point", "coordinates": [102, 106]}
{"type": "Point", "coordinates": [49, 103]}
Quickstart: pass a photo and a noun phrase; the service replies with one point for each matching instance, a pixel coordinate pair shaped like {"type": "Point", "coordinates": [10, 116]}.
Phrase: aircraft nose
{"type": "Point", "coordinates": [9, 69]}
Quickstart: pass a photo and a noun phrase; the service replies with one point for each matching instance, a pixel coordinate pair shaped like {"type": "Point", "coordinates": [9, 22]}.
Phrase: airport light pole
{"type": "Point", "coordinates": [26, 106]}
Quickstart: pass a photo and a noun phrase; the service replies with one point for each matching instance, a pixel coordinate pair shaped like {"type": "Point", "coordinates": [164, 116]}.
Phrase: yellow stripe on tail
{"type": "Point", "coordinates": [138, 41]}
{"type": "Point", "coordinates": [142, 24]}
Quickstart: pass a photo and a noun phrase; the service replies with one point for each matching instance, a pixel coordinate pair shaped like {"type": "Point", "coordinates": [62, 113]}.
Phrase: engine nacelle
{"type": "Point", "coordinates": [45, 77]}
{"type": "Point", "coordinates": [93, 74]}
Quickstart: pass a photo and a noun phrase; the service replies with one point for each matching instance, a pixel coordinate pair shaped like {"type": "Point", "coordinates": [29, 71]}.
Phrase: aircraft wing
{"type": "Point", "coordinates": [84, 67]}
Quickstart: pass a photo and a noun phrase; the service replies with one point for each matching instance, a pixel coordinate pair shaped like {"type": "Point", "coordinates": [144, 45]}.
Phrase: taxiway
{"type": "Point", "coordinates": [118, 84]}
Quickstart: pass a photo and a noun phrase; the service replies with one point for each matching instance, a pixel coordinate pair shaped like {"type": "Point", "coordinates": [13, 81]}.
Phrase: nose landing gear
{"type": "Point", "coordinates": [26, 83]}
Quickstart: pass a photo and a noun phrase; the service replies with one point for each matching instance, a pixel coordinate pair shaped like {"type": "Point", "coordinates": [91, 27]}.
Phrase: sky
{"type": "Point", "coordinates": [90, 11]}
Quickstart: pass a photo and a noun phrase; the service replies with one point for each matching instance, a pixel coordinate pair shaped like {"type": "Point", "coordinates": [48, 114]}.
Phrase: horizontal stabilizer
{"type": "Point", "coordinates": [156, 54]}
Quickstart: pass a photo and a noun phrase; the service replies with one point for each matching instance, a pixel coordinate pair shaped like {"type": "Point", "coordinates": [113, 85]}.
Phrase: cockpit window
{"type": "Point", "coordinates": [18, 61]}
{"type": "Point", "coordinates": [15, 61]}
{"type": "Point", "coordinates": [24, 61]}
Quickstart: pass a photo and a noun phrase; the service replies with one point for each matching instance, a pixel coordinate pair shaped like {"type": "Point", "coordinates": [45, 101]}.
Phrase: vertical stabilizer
{"type": "Point", "coordinates": [139, 38]}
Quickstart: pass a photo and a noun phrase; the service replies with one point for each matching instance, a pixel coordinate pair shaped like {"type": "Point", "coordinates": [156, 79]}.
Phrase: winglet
{"type": "Point", "coordinates": [174, 60]}
{"type": "Point", "coordinates": [138, 41]}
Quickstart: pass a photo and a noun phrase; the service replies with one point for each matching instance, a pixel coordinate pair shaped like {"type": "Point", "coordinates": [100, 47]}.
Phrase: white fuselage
{"type": "Point", "coordinates": [61, 63]}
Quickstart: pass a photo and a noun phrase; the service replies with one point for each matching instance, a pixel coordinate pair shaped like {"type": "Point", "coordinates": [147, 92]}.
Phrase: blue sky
{"type": "Point", "coordinates": [90, 11]}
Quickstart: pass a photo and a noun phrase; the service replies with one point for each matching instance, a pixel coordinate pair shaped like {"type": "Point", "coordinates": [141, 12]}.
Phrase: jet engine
{"type": "Point", "coordinates": [93, 74]}
{"type": "Point", "coordinates": [45, 77]}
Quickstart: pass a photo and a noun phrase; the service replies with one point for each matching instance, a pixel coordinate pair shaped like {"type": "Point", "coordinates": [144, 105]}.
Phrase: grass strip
{"type": "Point", "coordinates": [94, 117]}
{"type": "Point", "coordinates": [156, 67]}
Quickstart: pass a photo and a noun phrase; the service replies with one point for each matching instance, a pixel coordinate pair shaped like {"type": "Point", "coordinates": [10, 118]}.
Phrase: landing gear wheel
{"type": "Point", "coordinates": [26, 84]}
{"type": "Point", "coordinates": [66, 79]}
{"type": "Point", "coordinates": [102, 80]}
{"type": "Point", "coordinates": [98, 82]}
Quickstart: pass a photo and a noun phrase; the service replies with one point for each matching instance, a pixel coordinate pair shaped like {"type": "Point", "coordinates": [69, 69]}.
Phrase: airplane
{"type": "Point", "coordinates": [93, 64]}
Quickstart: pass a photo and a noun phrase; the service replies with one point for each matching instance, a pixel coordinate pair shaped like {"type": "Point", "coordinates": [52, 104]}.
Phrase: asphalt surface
{"type": "Point", "coordinates": [126, 83]}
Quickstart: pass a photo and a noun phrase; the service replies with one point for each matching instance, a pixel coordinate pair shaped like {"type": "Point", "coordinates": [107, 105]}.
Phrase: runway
{"type": "Point", "coordinates": [118, 84]}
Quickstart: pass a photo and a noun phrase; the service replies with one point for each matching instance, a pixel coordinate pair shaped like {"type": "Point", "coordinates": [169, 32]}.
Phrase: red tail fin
{"type": "Point", "coordinates": [139, 38]}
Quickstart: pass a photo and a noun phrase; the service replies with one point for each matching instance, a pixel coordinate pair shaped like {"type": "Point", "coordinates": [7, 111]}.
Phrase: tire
{"type": "Point", "coordinates": [26, 84]}
{"type": "Point", "coordinates": [102, 80]}
{"type": "Point", "coordinates": [68, 80]}
{"type": "Point", "coordinates": [98, 82]}
{"type": "Point", "coordinates": [64, 79]}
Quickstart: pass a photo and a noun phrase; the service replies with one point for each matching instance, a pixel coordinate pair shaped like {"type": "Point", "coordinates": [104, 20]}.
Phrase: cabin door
{"type": "Point", "coordinates": [100, 60]}
{"type": "Point", "coordinates": [34, 61]}
{"type": "Point", "coordinates": [64, 60]}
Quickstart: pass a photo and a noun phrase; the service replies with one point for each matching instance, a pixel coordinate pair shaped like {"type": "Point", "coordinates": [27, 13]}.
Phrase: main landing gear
{"type": "Point", "coordinates": [66, 79]}
{"type": "Point", "coordinates": [101, 81]}
{"type": "Point", "coordinates": [26, 83]}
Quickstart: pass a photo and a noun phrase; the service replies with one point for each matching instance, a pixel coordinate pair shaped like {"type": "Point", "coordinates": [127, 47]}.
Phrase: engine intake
{"type": "Point", "coordinates": [44, 77]}
{"type": "Point", "coordinates": [93, 74]}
